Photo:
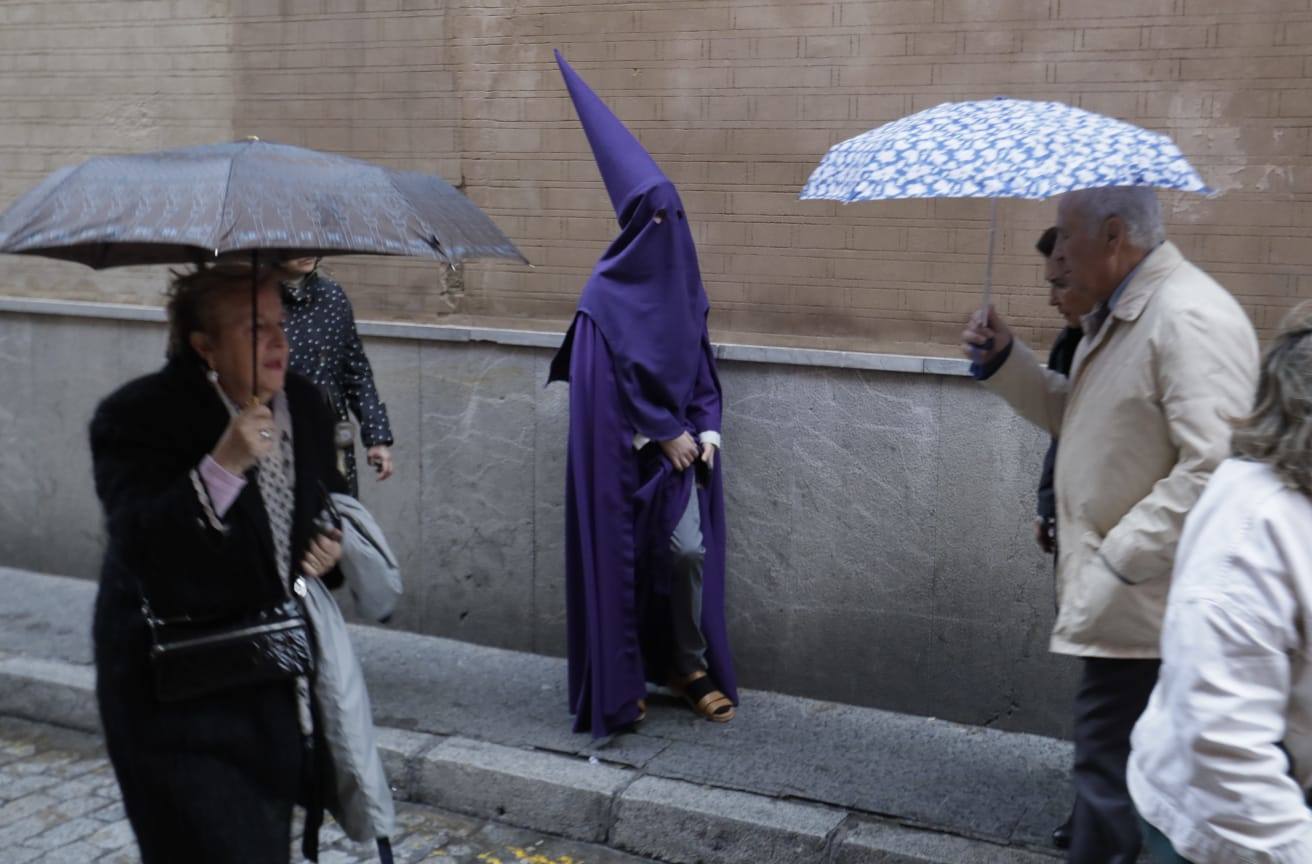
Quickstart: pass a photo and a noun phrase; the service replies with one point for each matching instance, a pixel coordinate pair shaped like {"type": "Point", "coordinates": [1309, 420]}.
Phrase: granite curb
{"type": "Point", "coordinates": [576, 797]}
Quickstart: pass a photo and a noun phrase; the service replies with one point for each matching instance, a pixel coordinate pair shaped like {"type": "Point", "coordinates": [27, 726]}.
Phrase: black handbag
{"type": "Point", "coordinates": [191, 658]}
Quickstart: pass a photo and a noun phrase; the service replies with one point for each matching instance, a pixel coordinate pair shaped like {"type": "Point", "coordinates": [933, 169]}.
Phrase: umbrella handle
{"type": "Point", "coordinates": [982, 350]}
{"type": "Point", "coordinates": [255, 320]}
{"type": "Point", "coordinates": [988, 267]}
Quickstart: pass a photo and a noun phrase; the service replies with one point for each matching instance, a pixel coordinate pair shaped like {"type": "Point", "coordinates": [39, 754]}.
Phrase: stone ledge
{"type": "Point", "coordinates": [570, 796]}
{"type": "Point", "coordinates": [886, 843]}
{"type": "Point", "coordinates": [738, 353]}
{"type": "Point", "coordinates": [682, 822]}
{"type": "Point", "coordinates": [401, 752]}
{"type": "Point", "coordinates": [542, 791]}
{"type": "Point", "coordinates": [49, 691]}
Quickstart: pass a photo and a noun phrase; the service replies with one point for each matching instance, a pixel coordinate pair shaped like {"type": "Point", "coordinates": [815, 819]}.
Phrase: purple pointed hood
{"type": "Point", "coordinates": [645, 294]}
{"type": "Point", "coordinates": [626, 166]}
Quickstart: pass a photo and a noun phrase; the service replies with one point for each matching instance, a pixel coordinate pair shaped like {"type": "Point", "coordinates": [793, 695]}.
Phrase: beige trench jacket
{"type": "Point", "coordinates": [1143, 421]}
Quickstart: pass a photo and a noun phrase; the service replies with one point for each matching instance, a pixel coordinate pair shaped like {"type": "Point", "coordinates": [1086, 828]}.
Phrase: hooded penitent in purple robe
{"type": "Point", "coordinates": [639, 363]}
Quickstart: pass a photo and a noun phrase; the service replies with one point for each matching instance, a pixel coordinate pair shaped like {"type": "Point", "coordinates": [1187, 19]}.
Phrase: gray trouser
{"type": "Point", "coordinates": [689, 555]}
{"type": "Point", "coordinates": [1112, 695]}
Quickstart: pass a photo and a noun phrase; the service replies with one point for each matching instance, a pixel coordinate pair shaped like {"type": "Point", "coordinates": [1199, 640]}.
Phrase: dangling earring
{"type": "Point", "coordinates": [212, 376]}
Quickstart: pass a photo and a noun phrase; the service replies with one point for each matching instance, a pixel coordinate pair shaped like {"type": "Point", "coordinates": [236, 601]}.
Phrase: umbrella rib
{"type": "Point", "coordinates": [71, 174]}
{"type": "Point", "coordinates": [223, 204]}
{"type": "Point", "coordinates": [432, 239]}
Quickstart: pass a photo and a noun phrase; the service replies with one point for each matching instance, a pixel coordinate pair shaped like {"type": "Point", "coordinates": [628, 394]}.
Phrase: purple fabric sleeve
{"type": "Point", "coordinates": [223, 486]}
{"type": "Point", "coordinates": [704, 408]}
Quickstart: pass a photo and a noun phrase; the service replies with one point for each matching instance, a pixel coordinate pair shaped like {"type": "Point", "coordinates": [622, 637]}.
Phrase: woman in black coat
{"type": "Point", "coordinates": [211, 511]}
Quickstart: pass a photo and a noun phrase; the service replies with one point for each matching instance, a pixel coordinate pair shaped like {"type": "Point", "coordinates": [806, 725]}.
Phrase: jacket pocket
{"type": "Point", "coordinates": [1107, 565]}
{"type": "Point", "coordinates": [1107, 610]}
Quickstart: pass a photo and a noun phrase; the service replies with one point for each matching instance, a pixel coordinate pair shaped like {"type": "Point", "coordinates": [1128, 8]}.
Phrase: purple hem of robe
{"type": "Point", "coordinates": [621, 508]}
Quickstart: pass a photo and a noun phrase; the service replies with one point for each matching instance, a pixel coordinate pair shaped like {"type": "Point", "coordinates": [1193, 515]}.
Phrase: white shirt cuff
{"type": "Point", "coordinates": [708, 437]}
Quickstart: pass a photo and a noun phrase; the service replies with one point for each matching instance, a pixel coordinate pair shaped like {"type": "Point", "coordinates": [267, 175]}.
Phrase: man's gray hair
{"type": "Point", "coordinates": [1137, 206]}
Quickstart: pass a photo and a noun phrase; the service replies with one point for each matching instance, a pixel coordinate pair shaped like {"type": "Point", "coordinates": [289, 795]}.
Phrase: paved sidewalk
{"type": "Point", "coordinates": [59, 803]}
{"type": "Point", "coordinates": [485, 731]}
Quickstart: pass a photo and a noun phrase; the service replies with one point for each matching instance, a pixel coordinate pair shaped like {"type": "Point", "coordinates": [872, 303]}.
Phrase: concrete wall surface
{"type": "Point", "coordinates": [880, 549]}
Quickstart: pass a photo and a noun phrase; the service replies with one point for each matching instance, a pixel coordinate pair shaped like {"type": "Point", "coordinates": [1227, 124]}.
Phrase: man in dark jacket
{"type": "Point", "coordinates": [1072, 306]}
{"type": "Point", "coordinates": [326, 348]}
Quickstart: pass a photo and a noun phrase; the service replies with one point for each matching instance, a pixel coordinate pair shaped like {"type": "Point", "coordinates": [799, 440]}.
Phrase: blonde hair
{"type": "Point", "coordinates": [1279, 429]}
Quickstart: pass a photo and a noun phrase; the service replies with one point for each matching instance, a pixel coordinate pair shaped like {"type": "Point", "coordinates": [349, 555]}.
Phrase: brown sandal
{"type": "Point", "coordinates": [703, 697]}
{"type": "Point", "coordinates": [642, 711]}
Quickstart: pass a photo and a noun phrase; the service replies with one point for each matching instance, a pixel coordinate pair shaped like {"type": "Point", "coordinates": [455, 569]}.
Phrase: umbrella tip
{"type": "Point", "coordinates": [251, 138]}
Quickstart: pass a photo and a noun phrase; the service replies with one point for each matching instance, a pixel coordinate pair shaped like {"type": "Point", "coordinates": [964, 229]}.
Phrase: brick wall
{"type": "Point", "coordinates": [736, 98]}
{"type": "Point", "coordinates": [82, 78]}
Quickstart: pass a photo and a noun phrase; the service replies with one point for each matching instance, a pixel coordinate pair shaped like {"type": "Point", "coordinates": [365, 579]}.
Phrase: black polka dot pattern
{"type": "Point", "coordinates": [326, 348]}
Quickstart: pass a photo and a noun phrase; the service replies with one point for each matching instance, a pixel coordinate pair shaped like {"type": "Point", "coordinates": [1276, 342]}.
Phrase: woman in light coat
{"type": "Point", "coordinates": [1222, 758]}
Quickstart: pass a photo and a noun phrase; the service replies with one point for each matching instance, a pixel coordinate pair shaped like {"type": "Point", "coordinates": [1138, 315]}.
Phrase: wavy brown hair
{"type": "Point", "coordinates": [191, 296]}
{"type": "Point", "coordinates": [1279, 429]}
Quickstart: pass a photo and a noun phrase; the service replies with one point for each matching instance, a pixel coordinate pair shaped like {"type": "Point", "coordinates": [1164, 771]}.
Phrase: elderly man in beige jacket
{"type": "Point", "coordinates": [1168, 358]}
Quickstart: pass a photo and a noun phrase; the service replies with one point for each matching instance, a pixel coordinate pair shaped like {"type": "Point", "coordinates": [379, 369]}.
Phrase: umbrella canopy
{"type": "Point", "coordinates": [998, 148]}
{"type": "Point", "coordinates": [193, 204]}
{"type": "Point", "coordinates": [1008, 148]}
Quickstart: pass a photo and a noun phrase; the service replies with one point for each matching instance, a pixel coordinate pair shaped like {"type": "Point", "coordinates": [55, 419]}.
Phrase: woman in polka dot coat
{"type": "Point", "coordinates": [326, 348]}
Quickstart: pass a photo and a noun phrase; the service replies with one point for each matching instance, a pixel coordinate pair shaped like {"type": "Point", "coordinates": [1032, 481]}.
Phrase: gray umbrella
{"type": "Point", "coordinates": [194, 204]}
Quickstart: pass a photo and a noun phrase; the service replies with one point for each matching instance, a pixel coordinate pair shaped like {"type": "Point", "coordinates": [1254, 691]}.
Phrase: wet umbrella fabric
{"type": "Point", "coordinates": [194, 204]}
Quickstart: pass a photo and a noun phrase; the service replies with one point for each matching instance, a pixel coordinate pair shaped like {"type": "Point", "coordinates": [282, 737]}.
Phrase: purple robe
{"type": "Point", "coordinates": [621, 506]}
{"type": "Point", "coordinates": [639, 361]}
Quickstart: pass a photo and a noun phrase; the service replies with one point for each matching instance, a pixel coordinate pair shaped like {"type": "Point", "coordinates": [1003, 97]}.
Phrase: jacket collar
{"type": "Point", "coordinates": [1141, 285]}
{"type": "Point", "coordinates": [1143, 282]}
{"type": "Point", "coordinates": [299, 290]}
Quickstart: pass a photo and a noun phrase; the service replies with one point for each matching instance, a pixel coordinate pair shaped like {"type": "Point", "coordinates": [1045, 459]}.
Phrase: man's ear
{"type": "Point", "coordinates": [1114, 234]}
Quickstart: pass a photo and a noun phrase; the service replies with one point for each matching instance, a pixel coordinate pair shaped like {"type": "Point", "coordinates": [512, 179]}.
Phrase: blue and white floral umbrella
{"type": "Point", "coordinates": [998, 148]}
